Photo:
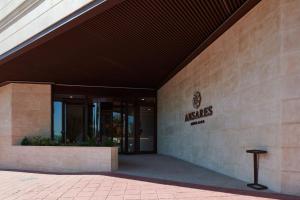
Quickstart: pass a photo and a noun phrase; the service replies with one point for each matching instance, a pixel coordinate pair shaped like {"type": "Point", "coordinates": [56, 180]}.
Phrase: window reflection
{"type": "Point", "coordinates": [75, 123]}
{"type": "Point", "coordinates": [128, 123]}
{"type": "Point", "coordinates": [131, 129]}
{"type": "Point", "coordinates": [95, 120]}
{"type": "Point", "coordinates": [58, 120]}
{"type": "Point", "coordinates": [146, 132]}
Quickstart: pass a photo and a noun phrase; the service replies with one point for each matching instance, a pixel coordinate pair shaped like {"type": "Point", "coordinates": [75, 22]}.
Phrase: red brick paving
{"type": "Point", "coordinates": [35, 186]}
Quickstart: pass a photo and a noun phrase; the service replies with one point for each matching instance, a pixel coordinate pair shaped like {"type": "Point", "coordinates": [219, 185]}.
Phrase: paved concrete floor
{"type": "Point", "coordinates": [139, 177]}
{"type": "Point", "coordinates": [168, 168]}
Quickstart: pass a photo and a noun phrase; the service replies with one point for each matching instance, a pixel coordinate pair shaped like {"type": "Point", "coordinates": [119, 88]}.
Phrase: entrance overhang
{"type": "Point", "coordinates": [131, 43]}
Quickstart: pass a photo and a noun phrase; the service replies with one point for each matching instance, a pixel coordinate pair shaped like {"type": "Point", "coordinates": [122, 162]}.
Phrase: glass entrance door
{"type": "Point", "coordinates": [75, 123]}
{"type": "Point", "coordinates": [130, 129]}
{"type": "Point", "coordinates": [117, 125]}
{"type": "Point", "coordinates": [128, 123]}
{"type": "Point", "coordinates": [146, 129]}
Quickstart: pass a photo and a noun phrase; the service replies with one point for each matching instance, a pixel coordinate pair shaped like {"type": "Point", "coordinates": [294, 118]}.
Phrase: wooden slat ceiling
{"type": "Point", "coordinates": [137, 43]}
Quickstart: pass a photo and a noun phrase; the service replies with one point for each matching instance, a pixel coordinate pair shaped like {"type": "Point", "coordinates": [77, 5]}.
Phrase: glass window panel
{"type": "Point", "coordinates": [58, 120]}
{"type": "Point", "coordinates": [77, 118]}
{"type": "Point", "coordinates": [75, 123]}
{"type": "Point", "coordinates": [117, 131]}
{"type": "Point", "coordinates": [131, 129]}
{"type": "Point", "coordinates": [94, 120]}
{"type": "Point", "coordinates": [146, 128]}
{"type": "Point", "coordinates": [106, 120]}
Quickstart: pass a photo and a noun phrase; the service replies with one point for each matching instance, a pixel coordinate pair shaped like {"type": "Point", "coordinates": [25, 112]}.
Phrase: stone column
{"type": "Point", "coordinates": [25, 111]}
{"type": "Point", "coordinates": [31, 111]}
{"type": "Point", "coordinates": [5, 116]}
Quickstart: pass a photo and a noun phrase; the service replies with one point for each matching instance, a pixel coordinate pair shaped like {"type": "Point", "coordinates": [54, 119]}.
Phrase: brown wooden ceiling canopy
{"type": "Point", "coordinates": [131, 43]}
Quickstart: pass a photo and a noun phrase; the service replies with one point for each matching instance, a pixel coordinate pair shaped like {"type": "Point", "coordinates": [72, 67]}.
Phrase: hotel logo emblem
{"type": "Point", "coordinates": [197, 100]}
{"type": "Point", "coordinates": [199, 113]}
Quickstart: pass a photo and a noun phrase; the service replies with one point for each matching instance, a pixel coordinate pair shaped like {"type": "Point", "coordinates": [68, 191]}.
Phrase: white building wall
{"type": "Point", "coordinates": [39, 18]}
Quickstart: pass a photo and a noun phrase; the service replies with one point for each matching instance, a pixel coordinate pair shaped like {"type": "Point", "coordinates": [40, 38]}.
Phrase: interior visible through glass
{"type": "Point", "coordinates": [127, 123]}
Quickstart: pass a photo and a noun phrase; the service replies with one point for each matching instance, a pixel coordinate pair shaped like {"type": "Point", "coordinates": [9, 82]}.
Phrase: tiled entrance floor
{"type": "Point", "coordinates": [35, 186]}
{"type": "Point", "coordinates": [134, 180]}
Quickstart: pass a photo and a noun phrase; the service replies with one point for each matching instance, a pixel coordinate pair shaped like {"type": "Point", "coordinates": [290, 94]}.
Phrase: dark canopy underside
{"type": "Point", "coordinates": [136, 43]}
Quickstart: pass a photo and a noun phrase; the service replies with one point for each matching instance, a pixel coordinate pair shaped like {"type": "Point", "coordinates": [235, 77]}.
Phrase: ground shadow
{"type": "Point", "coordinates": [176, 183]}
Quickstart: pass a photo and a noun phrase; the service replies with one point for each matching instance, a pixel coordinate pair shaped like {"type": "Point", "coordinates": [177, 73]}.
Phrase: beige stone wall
{"type": "Point", "coordinates": [60, 159]}
{"type": "Point", "coordinates": [5, 116]}
{"type": "Point", "coordinates": [25, 110]}
{"type": "Point", "coordinates": [249, 76]}
{"type": "Point", "coordinates": [31, 111]}
{"type": "Point", "coordinates": [290, 122]}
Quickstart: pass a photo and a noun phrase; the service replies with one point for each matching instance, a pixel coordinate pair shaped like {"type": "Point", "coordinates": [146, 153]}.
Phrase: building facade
{"type": "Point", "coordinates": [249, 75]}
{"type": "Point", "coordinates": [239, 92]}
